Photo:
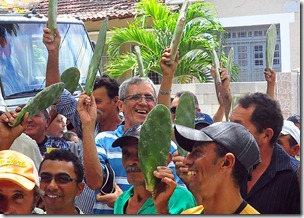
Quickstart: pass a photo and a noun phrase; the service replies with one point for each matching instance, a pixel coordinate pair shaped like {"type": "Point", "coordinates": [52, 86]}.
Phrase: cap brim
{"type": "Point", "coordinates": [186, 137]}
{"type": "Point", "coordinates": [121, 141]}
{"type": "Point", "coordinates": [19, 180]}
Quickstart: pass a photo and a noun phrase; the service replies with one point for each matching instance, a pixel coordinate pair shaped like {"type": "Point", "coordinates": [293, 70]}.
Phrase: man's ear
{"type": "Point", "coordinates": [268, 134]}
{"type": "Point", "coordinates": [120, 105]}
{"type": "Point", "coordinates": [228, 161]}
{"type": "Point", "coordinates": [169, 158]}
{"type": "Point", "coordinates": [80, 188]}
{"type": "Point", "coordinates": [295, 150]}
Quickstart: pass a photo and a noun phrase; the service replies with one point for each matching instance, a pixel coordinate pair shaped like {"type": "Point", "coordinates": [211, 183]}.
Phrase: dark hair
{"type": "Point", "coordinates": [179, 94]}
{"type": "Point", "coordinates": [68, 135]}
{"type": "Point", "coordinates": [65, 155]}
{"type": "Point", "coordinates": [292, 141]}
{"type": "Point", "coordinates": [109, 83]}
{"type": "Point", "coordinates": [267, 113]}
{"type": "Point", "coordinates": [239, 172]}
{"type": "Point", "coordinates": [295, 119]}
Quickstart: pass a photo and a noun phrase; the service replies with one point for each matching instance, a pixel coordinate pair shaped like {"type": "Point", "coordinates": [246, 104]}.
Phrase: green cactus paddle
{"type": "Point", "coordinates": [185, 114]}
{"type": "Point", "coordinates": [154, 144]}
{"type": "Point", "coordinates": [95, 61]}
{"type": "Point", "coordinates": [40, 102]}
{"type": "Point", "coordinates": [71, 77]}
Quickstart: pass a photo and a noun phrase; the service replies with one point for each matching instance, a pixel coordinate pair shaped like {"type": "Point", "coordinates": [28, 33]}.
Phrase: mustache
{"type": "Point", "coordinates": [133, 168]}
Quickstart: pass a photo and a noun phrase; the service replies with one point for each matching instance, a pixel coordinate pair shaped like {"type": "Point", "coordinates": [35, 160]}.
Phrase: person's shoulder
{"type": "Point", "coordinates": [194, 210]}
{"type": "Point", "coordinates": [110, 134]}
{"type": "Point", "coordinates": [182, 191]}
{"type": "Point", "coordinates": [249, 210]}
{"type": "Point", "coordinates": [38, 211]}
{"type": "Point", "coordinates": [23, 138]}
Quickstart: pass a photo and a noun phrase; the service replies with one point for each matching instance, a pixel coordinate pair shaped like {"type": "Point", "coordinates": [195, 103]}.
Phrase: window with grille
{"type": "Point", "coordinates": [249, 44]}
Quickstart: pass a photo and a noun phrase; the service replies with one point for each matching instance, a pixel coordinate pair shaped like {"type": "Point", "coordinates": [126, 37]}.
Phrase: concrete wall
{"type": "Point", "coordinates": [287, 92]}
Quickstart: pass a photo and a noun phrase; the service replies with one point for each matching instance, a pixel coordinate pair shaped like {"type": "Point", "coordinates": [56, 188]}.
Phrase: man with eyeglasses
{"type": "Point", "coordinates": [137, 97]}
{"type": "Point", "coordinates": [61, 174]}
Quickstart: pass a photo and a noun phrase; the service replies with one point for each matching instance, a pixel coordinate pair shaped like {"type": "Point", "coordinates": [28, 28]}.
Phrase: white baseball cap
{"type": "Point", "coordinates": [289, 128]}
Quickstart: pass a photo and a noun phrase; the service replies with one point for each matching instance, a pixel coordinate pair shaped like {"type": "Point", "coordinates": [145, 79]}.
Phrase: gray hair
{"type": "Point", "coordinates": [123, 88]}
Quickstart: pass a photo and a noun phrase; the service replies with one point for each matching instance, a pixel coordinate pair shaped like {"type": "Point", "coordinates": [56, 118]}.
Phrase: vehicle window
{"type": "Point", "coordinates": [24, 57]}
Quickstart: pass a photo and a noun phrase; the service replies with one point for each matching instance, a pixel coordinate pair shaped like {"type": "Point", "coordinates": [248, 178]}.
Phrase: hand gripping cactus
{"type": "Point", "coordinates": [185, 114]}
{"type": "Point", "coordinates": [71, 77]}
{"type": "Point", "coordinates": [154, 144]}
{"type": "Point", "coordinates": [271, 38]}
{"type": "Point", "coordinates": [177, 35]}
{"type": "Point", "coordinates": [95, 62]}
{"type": "Point", "coordinates": [40, 102]}
{"type": "Point", "coordinates": [52, 17]}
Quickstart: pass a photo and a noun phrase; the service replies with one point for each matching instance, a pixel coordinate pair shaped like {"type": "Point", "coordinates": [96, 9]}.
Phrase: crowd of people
{"type": "Point", "coordinates": [247, 164]}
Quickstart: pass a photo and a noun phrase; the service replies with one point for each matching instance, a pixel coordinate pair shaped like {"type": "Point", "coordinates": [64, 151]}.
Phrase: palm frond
{"type": "Point", "coordinates": [133, 34]}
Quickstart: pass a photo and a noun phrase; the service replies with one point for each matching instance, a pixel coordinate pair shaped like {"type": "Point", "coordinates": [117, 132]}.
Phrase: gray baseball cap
{"type": "Point", "coordinates": [132, 132]}
{"type": "Point", "coordinates": [233, 136]}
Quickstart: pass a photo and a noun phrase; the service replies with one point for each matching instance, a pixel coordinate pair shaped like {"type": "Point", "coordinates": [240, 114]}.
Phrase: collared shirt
{"type": "Point", "coordinates": [248, 209]}
{"type": "Point", "coordinates": [181, 200]}
{"type": "Point", "coordinates": [67, 106]}
{"type": "Point", "coordinates": [113, 156]}
{"type": "Point", "coordinates": [277, 190]}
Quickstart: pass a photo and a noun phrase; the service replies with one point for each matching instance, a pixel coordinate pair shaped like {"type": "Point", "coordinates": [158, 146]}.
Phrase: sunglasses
{"type": "Point", "coordinates": [61, 178]}
{"type": "Point", "coordinates": [173, 110]}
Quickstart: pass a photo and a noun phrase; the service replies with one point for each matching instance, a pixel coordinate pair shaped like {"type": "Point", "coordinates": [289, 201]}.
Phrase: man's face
{"type": "Point", "coordinates": [106, 107]}
{"type": "Point", "coordinates": [14, 199]}
{"type": "Point", "coordinates": [130, 162]}
{"type": "Point", "coordinates": [203, 166]}
{"type": "Point", "coordinates": [59, 195]}
{"type": "Point", "coordinates": [136, 110]}
{"type": "Point", "coordinates": [242, 116]}
{"type": "Point", "coordinates": [283, 140]}
{"type": "Point", "coordinates": [36, 126]}
{"type": "Point", "coordinates": [57, 127]}
{"type": "Point", "coordinates": [173, 107]}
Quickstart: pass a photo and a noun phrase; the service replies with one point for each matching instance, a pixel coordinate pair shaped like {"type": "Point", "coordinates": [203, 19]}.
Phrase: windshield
{"type": "Point", "coordinates": [24, 57]}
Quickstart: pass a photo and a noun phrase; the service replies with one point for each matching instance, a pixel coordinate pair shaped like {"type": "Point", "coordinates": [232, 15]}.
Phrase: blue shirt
{"type": "Point", "coordinates": [277, 190]}
{"type": "Point", "coordinates": [113, 156]}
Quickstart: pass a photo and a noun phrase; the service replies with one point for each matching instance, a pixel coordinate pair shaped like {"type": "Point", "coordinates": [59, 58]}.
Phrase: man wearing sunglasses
{"type": "Point", "coordinates": [61, 174]}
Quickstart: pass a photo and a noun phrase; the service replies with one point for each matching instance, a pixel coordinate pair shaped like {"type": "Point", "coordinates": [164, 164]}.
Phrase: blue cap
{"type": "Point", "coordinates": [203, 118]}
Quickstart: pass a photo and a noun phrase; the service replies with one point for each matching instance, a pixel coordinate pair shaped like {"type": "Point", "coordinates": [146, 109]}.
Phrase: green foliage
{"type": "Point", "coordinates": [199, 37]}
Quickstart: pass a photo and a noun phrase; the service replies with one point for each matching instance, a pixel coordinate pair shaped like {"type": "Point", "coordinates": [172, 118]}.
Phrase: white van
{"type": "Point", "coordinates": [24, 57]}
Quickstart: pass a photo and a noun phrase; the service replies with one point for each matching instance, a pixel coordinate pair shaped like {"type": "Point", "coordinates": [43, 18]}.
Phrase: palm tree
{"type": "Point", "coordinates": [7, 29]}
{"type": "Point", "coordinates": [200, 36]}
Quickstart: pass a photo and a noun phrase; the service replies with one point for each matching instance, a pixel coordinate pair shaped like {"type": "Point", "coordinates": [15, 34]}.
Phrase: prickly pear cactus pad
{"type": "Point", "coordinates": [70, 77]}
{"type": "Point", "coordinates": [185, 114]}
{"type": "Point", "coordinates": [154, 144]}
{"type": "Point", "coordinates": [41, 101]}
{"type": "Point", "coordinates": [95, 61]}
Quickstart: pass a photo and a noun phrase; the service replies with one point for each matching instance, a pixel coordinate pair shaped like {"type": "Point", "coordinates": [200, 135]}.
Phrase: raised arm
{"type": "Point", "coordinates": [88, 113]}
{"type": "Point", "coordinates": [271, 81]}
{"type": "Point", "coordinates": [164, 94]}
{"type": "Point", "coordinates": [223, 94]}
{"type": "Point", "coordinates": [52, 45]}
